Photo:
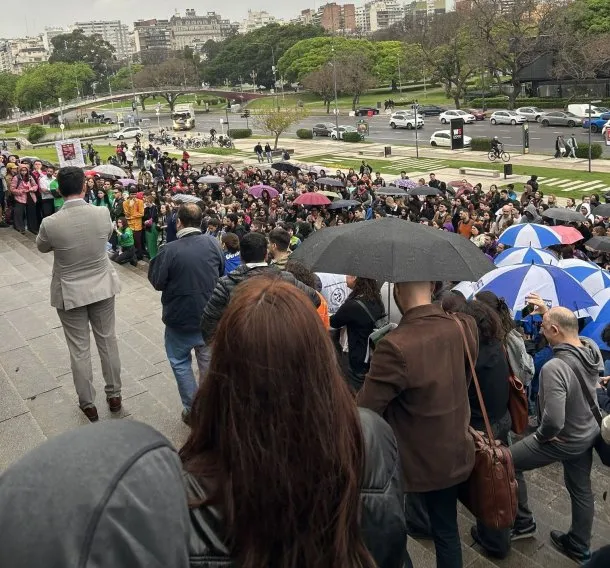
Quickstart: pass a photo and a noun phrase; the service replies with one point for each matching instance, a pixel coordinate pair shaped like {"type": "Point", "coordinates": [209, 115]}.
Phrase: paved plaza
{"type": "Point", "coordinates": [38, 401]}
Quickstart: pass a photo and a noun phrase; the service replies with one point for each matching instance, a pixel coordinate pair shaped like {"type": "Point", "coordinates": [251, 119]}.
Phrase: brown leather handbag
{"type": "Point", "coordinates": [490, 493]}
{"type": "Point", "coordinates": [517, 401]}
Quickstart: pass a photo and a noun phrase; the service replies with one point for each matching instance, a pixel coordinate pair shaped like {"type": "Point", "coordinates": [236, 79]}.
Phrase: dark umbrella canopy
{"type": "Point", "coordinates": [393, 250]}
{"type": "Point", "coordinates": [423, 190]}
{"type": "Point", "coordinates": [341, 203]}
{"type": "Point", "coordinates": [31, 159]}
{"type": "Point", "coordinates": [391, 190]}
{"type": "Point", "coordinates": [563, 214]}
{"type": "Point", "coordinates": [330, 181]}
{"type": "Point", "coordinates": [601, 244]}
{"type": "Point", "coordinates": [285, 167]}
{"type": "Point", "coordinates": [602, 210]}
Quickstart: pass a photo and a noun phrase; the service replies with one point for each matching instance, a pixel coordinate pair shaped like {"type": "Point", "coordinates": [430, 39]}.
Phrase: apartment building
{"type": "Point", "coordinates": [112, 31]}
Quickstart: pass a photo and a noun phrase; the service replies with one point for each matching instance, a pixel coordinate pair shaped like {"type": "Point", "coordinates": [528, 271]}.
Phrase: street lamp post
{"type": "Point", "coordinates": [254, 75]}
{"type": "Point", "coordinates": [590, 121]}
{"type": "Point", "coordinates": [61, 116]}
{"type": "Point", "coordinates": [41, 115]}
{"type": "Point", "coordinates": [334, 64]}
{"type": "Point", "coordinates": [399, 79]}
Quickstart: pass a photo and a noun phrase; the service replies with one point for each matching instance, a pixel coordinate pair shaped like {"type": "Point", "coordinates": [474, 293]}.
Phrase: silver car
{"type": "Point", "coordinates": [560, 118]}
{"type": "Point", "coordinates": [532, 114]}
{"type": "Point", "coordinates": [506, 117]}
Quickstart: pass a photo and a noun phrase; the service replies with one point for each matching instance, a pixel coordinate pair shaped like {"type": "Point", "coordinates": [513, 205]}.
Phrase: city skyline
{"type": "Point", "coordinates": [42, 14]}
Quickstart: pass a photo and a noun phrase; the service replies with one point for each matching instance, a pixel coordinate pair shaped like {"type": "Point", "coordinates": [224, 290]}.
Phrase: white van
{"type": "Point", "coordinates": [582, 110]}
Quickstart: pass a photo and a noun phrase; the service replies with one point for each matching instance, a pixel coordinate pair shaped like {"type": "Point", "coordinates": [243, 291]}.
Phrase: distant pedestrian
{"type": "Point", "coordinates": [268, 152]}
{"type": "Point", "coordinates": [572, 145]}
{"type": "Point", "coordinates": [560, 147]}
{"type": "Point", "coordinates": [258, 150]}
{"type": "Point", "coordinates": [186, 272]}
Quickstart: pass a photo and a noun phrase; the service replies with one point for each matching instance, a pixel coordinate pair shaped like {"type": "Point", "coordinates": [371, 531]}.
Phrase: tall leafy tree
{"type": "Point", "coordinates": [76, 47]}
{"type": "Point", "coordinates": [322, 83]}
{"type": "Point", "coordinates": [356, 75]}
{"type": "Point", "coordinates": [277, 121]}
{"type": "Point", "coordinates": [590, 16]}
{"type": "Point", "coordinates": [8, 81]}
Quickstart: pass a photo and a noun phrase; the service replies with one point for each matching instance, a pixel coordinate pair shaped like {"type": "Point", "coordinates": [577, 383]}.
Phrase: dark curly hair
{"type": "Point", "coordinates": [499, 306]}
{"type": "Point", "coordinates": [488, 321]}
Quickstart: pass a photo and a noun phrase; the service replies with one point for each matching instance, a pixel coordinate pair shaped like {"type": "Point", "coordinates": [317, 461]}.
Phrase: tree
{"type": "Point", "coordinates": [76, 47]}
{"type": "Point", "coordinates": [171, 73]}
{"type": "Point", "coordinates": [238, 56]}
{"type": "Point", "coordinates": [277, 121]}
{"type": "Point", "coordinates": [356, 75]}
{"type": "Point", "coordinates": [121, 80]}
{"type": "Point", "coordinates": [589, 16]}
{"type": "Point", "coordinates": [322, 82]}
{"type": "Point", "coordinates": [512, 35]}
{"type": "Point", "coordinates": [8, 81]}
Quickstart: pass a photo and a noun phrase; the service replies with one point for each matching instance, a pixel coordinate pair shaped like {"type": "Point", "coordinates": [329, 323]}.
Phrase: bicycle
{"type": "Point", "coordinates": [504, 156]}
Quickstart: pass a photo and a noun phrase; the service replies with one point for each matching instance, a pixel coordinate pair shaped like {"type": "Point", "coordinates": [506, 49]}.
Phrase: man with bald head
{"type": "Point", "coordinates": [567, 428]}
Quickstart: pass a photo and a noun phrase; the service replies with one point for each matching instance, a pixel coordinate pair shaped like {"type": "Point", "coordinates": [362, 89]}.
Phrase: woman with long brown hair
{"type": "Point", "coordinates": [280, 462]}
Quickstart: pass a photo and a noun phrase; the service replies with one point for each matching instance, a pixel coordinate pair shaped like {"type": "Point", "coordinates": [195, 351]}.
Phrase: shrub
{"type": "Point", "coordinates": [9, 129]}
{"type": "Point", "coordinates": [240, 132]}
{"type": "Point", "coordinates": [36, 133]}
{"type": "Point", "coordinates": [481, 144]}
{"type": "Point", "coordinates": [352, 137]}
{"type": "Point", "coordinates": [583, 150]}
{"type": "Point", "coordinates": [304, 133]}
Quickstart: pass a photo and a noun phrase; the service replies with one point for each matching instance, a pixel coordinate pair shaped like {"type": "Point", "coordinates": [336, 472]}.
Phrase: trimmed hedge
{"type": "Point", "coordinates": [352, 137]}
{"type": "Point", "coordinates": [304, 133]}
{"type": "Point", "coordinates": [240, 132]}
{"type": "Point", "coordinates": [481, 144]}
{"type": "Point", "coordinates": [36, 133]}
{"type": "Point", "coordinates": [583, 150]}
{"type": "Point", "coordinates": [9, 129]}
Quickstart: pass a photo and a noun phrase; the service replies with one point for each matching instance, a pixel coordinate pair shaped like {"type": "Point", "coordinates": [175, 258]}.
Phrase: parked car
{"type": "Point", "coordinates": [443, 138]}
{"type": "Point", "coordinates": [582, 110]}
{"type": "Point", "coordinates": [478, 114]}
{"type": "Point", "coordinates": [406, 121]}
{"type": "Point", "coordinates": [507, 117]}
{"type": "Point", "coordinates": [560, 118]}
{"type": "Point", "coordinates": [128, 132]}
{"type": "Point", "coordinates": [342, 130]}
{"type": "Point", "coordinates": [364, 111]}
{"type": "Point", "coordinates": [597, 124]}
{"type": "Point", "coordinates": [322, 128]}
{"type": "Point", "coordinates": [448, 115]}
{"type": "Point", "coordinates": [430, 110]}
{"type": "Point", "coordinates": [531, 114]}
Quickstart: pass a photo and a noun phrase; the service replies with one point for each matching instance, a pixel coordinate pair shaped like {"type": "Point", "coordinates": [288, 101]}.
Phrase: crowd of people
{"type": "Point", "coordinates": [355, 451]}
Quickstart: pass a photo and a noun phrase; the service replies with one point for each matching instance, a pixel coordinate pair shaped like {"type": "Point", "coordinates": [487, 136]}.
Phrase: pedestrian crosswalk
{"type": "Point", "coordinates": [562, 184]}
{"type": "Point", "coordinates": [417, 164]}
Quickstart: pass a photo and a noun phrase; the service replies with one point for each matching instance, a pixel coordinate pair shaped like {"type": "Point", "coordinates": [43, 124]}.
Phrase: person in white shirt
{"type": "Point", "coordinates": [44, 183]}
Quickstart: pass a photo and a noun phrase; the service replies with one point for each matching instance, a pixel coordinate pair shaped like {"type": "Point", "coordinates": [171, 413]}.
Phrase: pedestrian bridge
{"type": "Point", "coordinates": [90, 101]}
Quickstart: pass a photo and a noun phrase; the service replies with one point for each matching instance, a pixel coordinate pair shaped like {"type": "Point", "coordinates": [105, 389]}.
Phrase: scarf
{"type": "Point", "coordinates": [187, 231]}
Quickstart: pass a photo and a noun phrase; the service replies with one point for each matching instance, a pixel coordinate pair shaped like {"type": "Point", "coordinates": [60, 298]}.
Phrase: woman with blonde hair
{"type": "Point", "coordinates": [281, 467]}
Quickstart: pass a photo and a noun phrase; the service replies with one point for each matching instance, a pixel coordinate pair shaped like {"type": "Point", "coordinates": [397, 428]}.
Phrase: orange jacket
{"type": "Point", "coordinates": [323, 311]}
{"type": "Point", "coordinates": [134, 211]}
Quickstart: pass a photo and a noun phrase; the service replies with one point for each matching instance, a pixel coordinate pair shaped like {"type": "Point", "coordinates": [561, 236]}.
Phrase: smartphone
{"type": "Point", "coordinates": [529, 308]}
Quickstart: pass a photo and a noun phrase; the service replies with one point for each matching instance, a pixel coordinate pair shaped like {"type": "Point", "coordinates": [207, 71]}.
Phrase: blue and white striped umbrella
{"type": "Point", "coordinates": [529, 235]}
{"type": "Point", "coordinates": [592, 278]}
{"type": "Point", "coordinates": [551, 283]}
{"type": "Point", "coordinates": [525, 255]}
{"type": "Point", "coordinates": [593, 330]}
{"type": "Point", "coordinates": [601, 311]}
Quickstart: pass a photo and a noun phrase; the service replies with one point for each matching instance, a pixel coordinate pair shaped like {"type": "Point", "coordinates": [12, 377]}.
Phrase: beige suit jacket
{"type": "Point", "coordinates": [82, 271]}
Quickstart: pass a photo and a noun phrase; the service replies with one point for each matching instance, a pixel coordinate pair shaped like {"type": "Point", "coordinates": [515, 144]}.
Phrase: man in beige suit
{"type": "Point", "coordinates": [83, 287]}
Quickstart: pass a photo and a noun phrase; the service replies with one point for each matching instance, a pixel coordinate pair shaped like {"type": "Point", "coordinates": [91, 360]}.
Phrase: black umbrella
{"type": "Point", "coordinates": [391, 190]}
{"type": "Point", "coordinates": [286, 167]}
{"type": "Point", "coordinates": [423, 190]}
{"type": "Point", "coordinates": [602, 210]}
{"type": "Point", "coordinates": [341, 203]}
{"type": "Point", "coordinates": [601, 244]}
{"type": "Point", "coordinates": [330, 181]}
{"type": "Point", "coordinates": [31, 159]}
{"type": "Point", "coordinates": [563, 214]}
{"type": "Point", "coordinates": [393, 250]}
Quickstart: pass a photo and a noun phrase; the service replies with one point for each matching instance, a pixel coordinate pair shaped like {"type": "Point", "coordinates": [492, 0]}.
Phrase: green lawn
{"type": "Point", "coordinates": [49, 153]}
{"type": "Point", "coordinates": [386, 165]}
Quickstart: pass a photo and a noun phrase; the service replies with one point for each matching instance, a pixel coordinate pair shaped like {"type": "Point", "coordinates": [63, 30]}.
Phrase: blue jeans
{"type": "Point", "coordinates": [178, 346]}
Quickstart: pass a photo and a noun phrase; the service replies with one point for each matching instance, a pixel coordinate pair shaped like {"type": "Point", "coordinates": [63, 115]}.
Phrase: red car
{"type": "Point", "coordinates": [478, 114]}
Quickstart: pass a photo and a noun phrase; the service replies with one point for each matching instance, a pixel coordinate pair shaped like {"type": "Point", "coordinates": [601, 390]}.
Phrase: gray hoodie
{"type": "Point", "coordinates": [564, 411]}
{"type": "Point", "coordinates": [107, 495]}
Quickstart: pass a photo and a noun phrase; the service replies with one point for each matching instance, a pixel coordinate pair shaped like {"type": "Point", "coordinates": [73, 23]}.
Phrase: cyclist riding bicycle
{"type": "Point", "coordinates": [496, 146]}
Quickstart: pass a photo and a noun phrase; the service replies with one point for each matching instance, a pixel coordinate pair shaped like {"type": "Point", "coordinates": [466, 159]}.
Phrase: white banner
{"type": "Point", "coordinates": [70, 153]}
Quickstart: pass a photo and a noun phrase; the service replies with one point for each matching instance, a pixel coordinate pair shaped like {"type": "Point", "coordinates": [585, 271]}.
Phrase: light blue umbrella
{"type": "Point", "coordinates": [592, 278]}
{"type": "Point", "coordinates": [525, 255]}
{"type": "Point", "coordinates": [529, 235]}
{"type": "Point", "coordinates": [593, 330]}
{"type": "Point", "coordinates": [551, 283]}
{"type": "Point", "coordinates": [600, 312]}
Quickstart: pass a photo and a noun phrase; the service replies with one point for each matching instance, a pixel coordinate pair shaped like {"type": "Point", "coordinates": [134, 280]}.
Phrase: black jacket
{"type": "Point", "coordinates": [186, 271]}
{"type": "Point", "coordinates": [224, 288]}
{"type": "Point", "coordinates": [383, 524]}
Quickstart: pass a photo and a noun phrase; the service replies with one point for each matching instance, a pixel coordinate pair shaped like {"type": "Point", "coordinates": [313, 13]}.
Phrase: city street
{"type": "Point", "coordinates": [542, 140]}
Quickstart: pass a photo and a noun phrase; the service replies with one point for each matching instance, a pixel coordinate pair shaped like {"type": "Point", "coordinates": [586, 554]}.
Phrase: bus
{"type": "Point", "coordinates": [183, 117]}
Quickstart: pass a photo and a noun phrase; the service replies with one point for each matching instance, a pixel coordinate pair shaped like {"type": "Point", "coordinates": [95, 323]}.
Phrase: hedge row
{"type": "Point", "coordinates": [352, 137]}
{"type": "Point", "coordinates": [304, 133]}
{"type": "Point", "coordinates": [240, 132]}
{"type": "Point", "coordinates": [481, 144]}
{"type": "Point", "coordinates": [583, 150]}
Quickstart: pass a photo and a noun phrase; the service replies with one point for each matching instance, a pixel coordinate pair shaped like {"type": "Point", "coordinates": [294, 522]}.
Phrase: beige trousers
{"type": "Point", "coordinates": [75, 322]}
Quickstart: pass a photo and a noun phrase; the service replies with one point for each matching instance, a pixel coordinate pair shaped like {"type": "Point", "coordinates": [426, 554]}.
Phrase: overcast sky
{"type": "Point", "coordinates": [38, 14]}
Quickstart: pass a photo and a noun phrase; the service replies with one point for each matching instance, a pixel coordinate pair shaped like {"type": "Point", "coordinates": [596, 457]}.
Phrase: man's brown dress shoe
{"type": "Point", "coordinates": [114, 403]}
{"type": "Point", "coordinates": [91, 413]}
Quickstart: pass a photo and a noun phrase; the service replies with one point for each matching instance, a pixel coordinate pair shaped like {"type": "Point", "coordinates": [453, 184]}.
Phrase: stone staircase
{"type": "Point", "coordinates": [37, 397]}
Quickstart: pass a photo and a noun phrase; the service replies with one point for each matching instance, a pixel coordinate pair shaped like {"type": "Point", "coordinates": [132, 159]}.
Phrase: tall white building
{"type": "Point", "coordinates": [193, 30]}
{"type": "Point", "coordinates": [255, 20]}
{"type": "Point", "coordinates": [112, 31]}
{"type": "Point", "coordinates": [21, 53]}
{"type": "Point", "coordinates": [378, 15]}
{"type": "Point", "coordinates": [49, 34]}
